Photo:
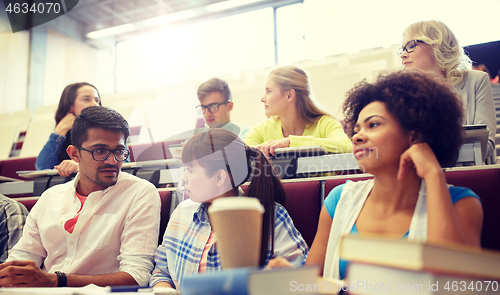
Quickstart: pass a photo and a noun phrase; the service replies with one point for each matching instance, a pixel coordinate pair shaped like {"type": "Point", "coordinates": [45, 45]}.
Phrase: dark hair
{"type": "Point", "coordinates": [97, 117]}
{"type": "Point", "coordinates": [420, 103]}
{"type": "Point", "coordinates": [483, 68]}
{"type": "Point", "coordinates": [214, 85]}
{"type": "Point", "coordinates": [236, 158]}
{"type": "Point", "coordinates": [68, 97]}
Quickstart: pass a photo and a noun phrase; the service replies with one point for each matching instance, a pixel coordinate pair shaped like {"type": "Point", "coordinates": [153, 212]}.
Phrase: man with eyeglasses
{"type": "Point", "coordinates": [100, 228]}
{"type": "Point", "coordinates": [216, 105]}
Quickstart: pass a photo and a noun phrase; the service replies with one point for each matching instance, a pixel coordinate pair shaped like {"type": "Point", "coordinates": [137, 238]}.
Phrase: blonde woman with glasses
{"type": "Point", "coordinates": [432, 47]}
{"type": "Point", "coordinates": [294, 119]}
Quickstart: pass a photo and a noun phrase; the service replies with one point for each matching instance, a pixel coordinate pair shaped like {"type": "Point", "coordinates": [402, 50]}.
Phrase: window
{"type": "Point", "coordinates": [199, 51]}
{"type": "Point", "coordinates": [291, 33]}
{"type": "Point", "coordinates": [313, 29]}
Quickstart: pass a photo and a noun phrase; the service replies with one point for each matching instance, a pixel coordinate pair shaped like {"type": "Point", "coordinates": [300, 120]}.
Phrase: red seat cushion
{"type": "Point", "coordinates": [10, 167]}
{"type": "Point", "coordinates": [303, 205]}
{"type": "Point", "coordinates": [166, 201]}
{"type": "Point", "coordinates": [331, 183]}
{"type": "Point", "coordinates": [147, 152]}
{"type": "Point", "coordinates": [486, 184]}
{"type": "Point", "coordinates": [28, 202]}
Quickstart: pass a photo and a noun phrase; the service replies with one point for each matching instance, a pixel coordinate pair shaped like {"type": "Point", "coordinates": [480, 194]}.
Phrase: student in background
{"type": "Point", "coordinates": [404, 128]}
{"type": "Point", "coordinates": [431, 46]}
{"type": "Point", "coordinates": [12, 218]}
{"type": "Point", "coordinates": [483, 68]}
{"type": "Point", "coordinates": [294, 118]}
{"type": "Point", "coordinates": [189, 244]}
{"type": "Point", "coordinates": [74, 99]}
{"type": "Point", "coordinates": [216, 105]}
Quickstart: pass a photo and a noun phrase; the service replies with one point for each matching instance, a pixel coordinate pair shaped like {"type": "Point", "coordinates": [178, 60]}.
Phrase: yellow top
{"type": "Point", "coordinates": [326, 132]}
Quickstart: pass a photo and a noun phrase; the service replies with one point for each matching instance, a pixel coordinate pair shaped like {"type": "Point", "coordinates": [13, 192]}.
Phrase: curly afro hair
{"type": "Point", "coordinates": [420, 103]}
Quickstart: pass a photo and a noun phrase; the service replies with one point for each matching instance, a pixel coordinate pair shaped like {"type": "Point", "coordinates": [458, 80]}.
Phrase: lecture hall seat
{"type": "Point", "coordinates": [486, 184]}
{"type": "Point", "coordinates": [303, 204]}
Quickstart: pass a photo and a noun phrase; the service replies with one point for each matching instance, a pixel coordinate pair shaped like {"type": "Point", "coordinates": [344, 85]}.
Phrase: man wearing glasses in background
{"type": "Point", "coordinates": [216, 105]}
{"type": "Point", "coordinates": [99, 228]}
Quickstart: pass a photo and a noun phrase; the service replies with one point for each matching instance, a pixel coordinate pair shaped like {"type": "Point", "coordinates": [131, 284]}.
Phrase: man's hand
{"type": "Point", "coordinates": [20, 273]}
{"type": "Point", "coordinates": [278, 262]}
{"type": "Point", "coordinates": [164, 285]}
{"type": "Point", "coordinates": [66, 168]}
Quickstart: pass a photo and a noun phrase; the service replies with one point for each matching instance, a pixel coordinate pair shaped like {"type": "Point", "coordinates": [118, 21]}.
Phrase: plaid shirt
{"type": "Point", "coordinates": [12, 217]}
{"type": "Point", "coordinates": [187, 234]}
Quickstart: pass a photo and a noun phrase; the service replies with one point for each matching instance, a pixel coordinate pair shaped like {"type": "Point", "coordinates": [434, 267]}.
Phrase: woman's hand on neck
{"type": "Point", "coordinates": [65, 124]}
{"type": "Point", "coordinates": [416, 163]}
{"type": "Point", "coordinates": [420, 159]}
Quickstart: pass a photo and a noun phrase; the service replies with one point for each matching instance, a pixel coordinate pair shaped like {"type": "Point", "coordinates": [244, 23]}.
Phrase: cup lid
{"type": "Point", "coordinates": [235, 203]}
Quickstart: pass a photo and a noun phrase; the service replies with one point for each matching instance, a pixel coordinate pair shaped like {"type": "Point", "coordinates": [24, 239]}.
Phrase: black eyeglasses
{"type": "Point", "coordinates": [212, 108]}
{"type": "Point", "coordinates": [101, 154]}
{"type": "Point", "coordinates": [409, 47]}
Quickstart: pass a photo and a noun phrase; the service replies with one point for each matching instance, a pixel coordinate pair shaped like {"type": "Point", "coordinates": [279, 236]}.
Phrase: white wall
{"type": "Point", "coordinates": [14, 65]}
{"type": "Point", "coordinates": [66, 61]}
{"type": "Point", "coordinates": [69, 61]}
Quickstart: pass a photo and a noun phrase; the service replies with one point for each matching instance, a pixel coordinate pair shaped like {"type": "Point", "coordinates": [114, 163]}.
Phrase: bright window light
{"type": "Point", "coordinates": [335, 27]}
{"type": "Point", "coordinates": [291, 42]}
{"type": "Point", "coordinates": [312, 30]}
{"type": "Point", "coordinates": [177, 54]}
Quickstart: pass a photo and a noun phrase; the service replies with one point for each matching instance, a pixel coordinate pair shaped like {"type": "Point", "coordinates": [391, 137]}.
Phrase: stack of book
{"type": "Point", "coordinates": [385, 266]}
{"type": "Point", "coordinates": [253, 281]}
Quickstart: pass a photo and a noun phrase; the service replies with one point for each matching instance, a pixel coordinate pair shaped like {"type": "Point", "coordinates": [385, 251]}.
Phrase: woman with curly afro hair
{"type": "Point", "coordinates": [405, 127]}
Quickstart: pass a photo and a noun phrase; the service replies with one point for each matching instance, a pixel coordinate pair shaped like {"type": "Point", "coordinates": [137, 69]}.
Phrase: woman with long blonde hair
{"type": "Point", "coordinates": [432, 47]}
{"type": "Point", "coordinates": [295, 120]}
